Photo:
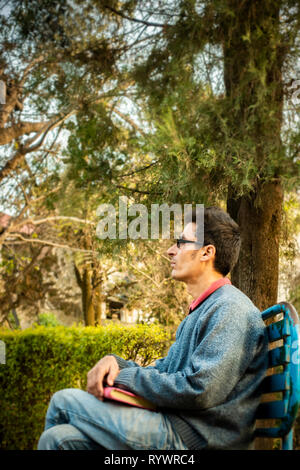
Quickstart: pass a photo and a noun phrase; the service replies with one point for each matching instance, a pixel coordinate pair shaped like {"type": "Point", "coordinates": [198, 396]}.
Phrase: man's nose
{"type": "Point", "coordinates": [172, 250]}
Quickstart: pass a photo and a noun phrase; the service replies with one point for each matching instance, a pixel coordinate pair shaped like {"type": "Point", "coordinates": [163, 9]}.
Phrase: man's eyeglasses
{"type": "Point", "coordinates": [181, 241]}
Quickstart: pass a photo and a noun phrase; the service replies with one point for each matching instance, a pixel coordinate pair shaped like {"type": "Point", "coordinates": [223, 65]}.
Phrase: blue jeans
{"type": "Point", "coordinates": [76, 420]}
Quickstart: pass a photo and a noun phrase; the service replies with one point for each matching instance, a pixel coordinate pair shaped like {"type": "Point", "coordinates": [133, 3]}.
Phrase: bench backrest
{"type": "Point", "coordinates": [283, 376]}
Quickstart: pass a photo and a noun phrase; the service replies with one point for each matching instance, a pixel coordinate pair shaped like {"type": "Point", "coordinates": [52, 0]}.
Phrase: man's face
{"type": "Point", "coordinates": [186, 260]}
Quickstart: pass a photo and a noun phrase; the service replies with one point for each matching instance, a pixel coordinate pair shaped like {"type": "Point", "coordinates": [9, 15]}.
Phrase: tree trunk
{"type": "Point", "coordinates": [253, 58]}
{"type": "Point", "coordinates": [98, 305]}
{"type": "Point", "coordinates": [259, 217]}
{"type": "Point", "coordinates": [89, 312]}
{"type": "Point", "coordinates": [256, 272]}
{"type": "Point", "coordinates": [84, 282]}
{"type": "Point", "coordinates": [91, 292]}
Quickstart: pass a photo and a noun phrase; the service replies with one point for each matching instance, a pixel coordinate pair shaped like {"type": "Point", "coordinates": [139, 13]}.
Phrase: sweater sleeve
{"type": "Point", "coordinates": [123, 364]}
{"type": "Point", "coordinates": [225, 348]}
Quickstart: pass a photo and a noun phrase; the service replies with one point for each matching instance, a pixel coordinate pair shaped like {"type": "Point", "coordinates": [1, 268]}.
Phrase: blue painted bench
{"type": "Point", "coordinates": [284, 378]}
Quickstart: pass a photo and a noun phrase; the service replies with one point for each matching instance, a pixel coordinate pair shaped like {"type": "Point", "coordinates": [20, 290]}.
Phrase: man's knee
{"type": "Point", "coordinates": [59, 437]}
{"type": "Point", "coordinates": [64, 398]}
{"type": "Point", "coordinates": [66, 437]}
{"type": "Point", "coordinates": [60, 404]}
{"type": "Point", "coordinates": [48, 440]}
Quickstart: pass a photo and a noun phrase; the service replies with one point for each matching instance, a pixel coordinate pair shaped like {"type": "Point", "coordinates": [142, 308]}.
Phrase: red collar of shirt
{"type": "Point", "coordinates": [214, 286]}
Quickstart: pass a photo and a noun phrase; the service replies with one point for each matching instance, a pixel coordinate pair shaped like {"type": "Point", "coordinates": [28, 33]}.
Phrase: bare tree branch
{"type": "Point", "coordinates": [51, 125]}
{"type": "Point", "coordinates": [8, 134]}
{"type": "Point", "coordinates": [46, 243]}
{"type": "Point", "coordinates": [125, 118]}
{"type": "Point", "coordinates": [9, 228]}
{"type": "Point", "coordinates": [141, 272]}
{"type": "Point", "coordinates": [13, 95]}
{"type": "Point", "coordinates": [20, 154]}
{"type": "Point", "coordinates": [50, 219]}
{"type": "Point", "coordinates": [29, 67]}
{"type": "Point", "coordinates": [14, 222]}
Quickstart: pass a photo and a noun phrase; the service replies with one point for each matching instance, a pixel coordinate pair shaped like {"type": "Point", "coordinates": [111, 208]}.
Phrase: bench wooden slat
{"type": "Point", "coordinates": [276, 383]}
{"type": "Point", "coordinates": [279, 356]}
{"type": "Point", "coordinates": [272, 410]}
{"type": "Point", "coordinates": [278, 330]}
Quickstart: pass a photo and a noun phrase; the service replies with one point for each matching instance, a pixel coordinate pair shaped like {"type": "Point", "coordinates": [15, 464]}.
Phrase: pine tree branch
{"type": "Point", "coordinates": [135, 20]}
{"type": "Point", "coordinates": [136, 190]}
{"type": "Point", "coordinates": [137, 171]}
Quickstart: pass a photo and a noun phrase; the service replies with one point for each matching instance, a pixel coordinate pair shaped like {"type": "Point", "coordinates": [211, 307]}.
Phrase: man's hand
{"type": "Point", "coordinates": [105, 371]}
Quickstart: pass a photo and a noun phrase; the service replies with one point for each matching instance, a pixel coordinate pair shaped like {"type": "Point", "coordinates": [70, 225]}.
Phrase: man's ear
{"type": "Point", "coordinates": [210, 251]}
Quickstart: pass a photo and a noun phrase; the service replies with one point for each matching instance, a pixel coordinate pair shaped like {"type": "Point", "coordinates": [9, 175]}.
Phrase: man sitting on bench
{"type": "Point", "coordinates": [206, 389]}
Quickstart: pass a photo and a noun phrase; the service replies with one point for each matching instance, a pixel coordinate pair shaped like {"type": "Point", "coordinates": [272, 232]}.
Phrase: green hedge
{"type": "Point", "coordinates": [42, 360]}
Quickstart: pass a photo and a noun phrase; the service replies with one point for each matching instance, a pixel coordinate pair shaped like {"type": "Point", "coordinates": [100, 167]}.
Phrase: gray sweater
{"type": "Point", "coordinates": [209, 383]}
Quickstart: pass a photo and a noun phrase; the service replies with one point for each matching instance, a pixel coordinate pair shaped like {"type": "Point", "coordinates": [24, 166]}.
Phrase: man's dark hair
{"type": "Point", "coordinates": [223, 232]}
